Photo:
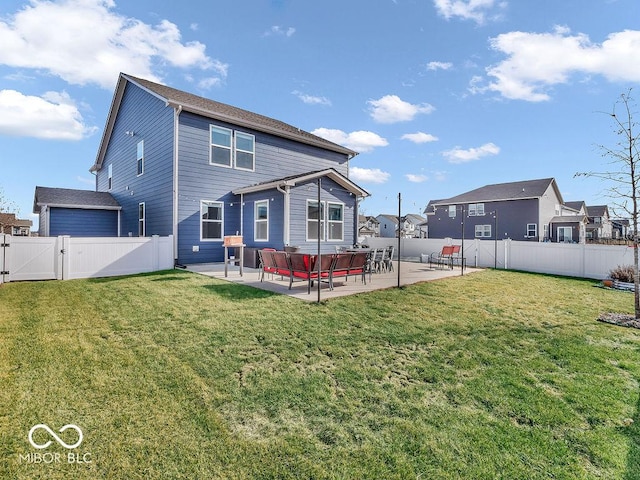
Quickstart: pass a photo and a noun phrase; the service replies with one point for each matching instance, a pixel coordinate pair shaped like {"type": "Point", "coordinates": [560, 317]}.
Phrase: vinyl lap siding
{"type": "Point", "coordinates": [151, 121]}
{"type": "Point", "coordinates": [83, 223]}
{"type": "Point", "coordinates": [198, 180]}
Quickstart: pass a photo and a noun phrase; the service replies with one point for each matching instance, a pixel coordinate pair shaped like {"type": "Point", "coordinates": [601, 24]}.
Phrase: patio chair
{"type": "Point", "coordinates": [358, 265]}
{"type": "Point", "coordinates": [443, 257]}
{"type": "Point", "coordinates": [340, 267]}
{"type": "Point", "coordinates": [387, 258]}
{"type": "Point", "coordinates": [267, 264]}
{"type": "Point", "coordinates": [281, 261]}
{"type": "Point", "coordinates": [376, 259]}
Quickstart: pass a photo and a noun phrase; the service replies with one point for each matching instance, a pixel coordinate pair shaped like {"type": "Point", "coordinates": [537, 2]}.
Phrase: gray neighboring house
{"type": "Point", "coordinates": [600, 226]}
{"type": "Point", "coordinates": [65, 211]}
{"type": "Point", "coordinates": [530, 210]}
{"type": "Point", "coordinates": [368, 226]}
{"type": "Point", "coordinates": [414, 226]}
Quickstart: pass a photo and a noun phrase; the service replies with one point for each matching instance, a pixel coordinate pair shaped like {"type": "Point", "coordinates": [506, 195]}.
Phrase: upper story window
{"type": "Point", "coordinates": [476, 209]}
{"type": "Point", "coordinates": [232, 149]}
{"type": "Point", "coordinates": [140, 158]}
{"type": "Point", "coordinates": [110, 177]}
{"type": "Point", "coordinates": [452, 211]}
{"type": "Point", "coordinates": [220, 146]}
{"type": "Point", "coordinates": [211, 220]}
{"type": "Point", "coordinates": [261, 230]}
{"type": "Point", "coordinates": [245, 151]}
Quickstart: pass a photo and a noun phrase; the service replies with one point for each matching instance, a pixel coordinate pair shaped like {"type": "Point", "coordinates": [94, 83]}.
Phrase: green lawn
{"type": "Point", "coordinates": [175, 375]}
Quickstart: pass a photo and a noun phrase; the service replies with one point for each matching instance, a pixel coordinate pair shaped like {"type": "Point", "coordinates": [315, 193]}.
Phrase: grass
{"type": "Point", "coordinates": [175, 375]}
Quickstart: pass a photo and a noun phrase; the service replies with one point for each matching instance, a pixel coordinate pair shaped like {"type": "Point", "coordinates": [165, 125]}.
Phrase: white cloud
{"type": "Point", "coordinates": [86, 181]}
{"type": "Point", "coordinates": [311, 100]}
{"type": "Point", "coordinates": [368, 175]}
{"type": "Point", "coordinates": [476, 10]}
{"type": "Point", "coordinates": [419, 137]}
{"type": "Point", "coordinates": [52, 116]}
{"type": "Point", "coordinates": [360, 141]}
{"type": "Point", "coordinates": [458, 155]}
{"type": "Point", "coordinates": [439, 65]}
{"type": "Point", "coordinates": [416, 178]}
{"type": "Point", "coordinates": [87, 42]}
{"type": "Point", "coordinates": [280, 31]}
{"type": "Point", "coordinates": [537, 61]}
{"type": "Point", "coordinates": [391, 109]}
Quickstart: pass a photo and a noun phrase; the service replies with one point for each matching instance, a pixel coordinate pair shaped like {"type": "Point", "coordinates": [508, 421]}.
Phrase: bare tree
{"type": "Point", "coordinates": [5, 204]}
{"type": "Point", "coordinates": [624, 175]}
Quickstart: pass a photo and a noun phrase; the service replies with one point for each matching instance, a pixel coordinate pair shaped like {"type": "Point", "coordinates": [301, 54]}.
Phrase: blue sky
{"type": "Point", "coordinates": [438, 96]}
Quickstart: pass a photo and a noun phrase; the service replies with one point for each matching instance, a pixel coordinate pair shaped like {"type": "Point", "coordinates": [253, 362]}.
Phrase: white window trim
{"type": "Point", "coordinates": [110, 177]}
{"type": "Point", "coordinates": [211, 145]}
{"type": "Point", "coordinates": [142, 219]}
{"type": "Point", "coordinates": [236, 149]}
{"type": "Point", "coordinates": [476, 209]}
{"type": "Point", "coordinates": [453, 209]}
{"type": "Point", "coordinates": [327, 221]}
{"type": "Point", "coordinates": [482, 230]}
{"type": "Point", "coordinates": [256, 221]}
{"type": "Point", "coordinates": [221, 221]}
{"type": "Point", "coordinates": [322, 219]}
{"type": "Point", "coordinates": [535, 230]}
{"type": "Point", "coordinates": [140, 159]}
{"type": "Point", "coordinates": [563, 229]}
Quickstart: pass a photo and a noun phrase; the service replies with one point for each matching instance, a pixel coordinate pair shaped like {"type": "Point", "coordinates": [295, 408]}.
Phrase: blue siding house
{"type": "Point", "coordinates": [183, 165]}
{"type": "Point", "coordinates": [79, 213]}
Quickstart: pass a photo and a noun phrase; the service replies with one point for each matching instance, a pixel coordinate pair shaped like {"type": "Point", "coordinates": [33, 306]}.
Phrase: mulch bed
{"type": "Point", "coordinates": [620, 319]}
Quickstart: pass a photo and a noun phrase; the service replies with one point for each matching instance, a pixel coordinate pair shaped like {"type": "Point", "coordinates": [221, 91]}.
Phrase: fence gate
{"type": "Point", "coordinates": [28, 258]}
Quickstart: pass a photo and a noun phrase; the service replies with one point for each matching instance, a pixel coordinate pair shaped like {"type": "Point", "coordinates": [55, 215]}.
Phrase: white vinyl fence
{"type": "Point", "coordinates": [63, 258]}
{"type": "Point", "coordinates": [569, 259]}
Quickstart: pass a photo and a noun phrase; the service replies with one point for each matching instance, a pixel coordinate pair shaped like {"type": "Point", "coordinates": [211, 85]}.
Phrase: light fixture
{"type": "Point", "coordinates": [129, 133]}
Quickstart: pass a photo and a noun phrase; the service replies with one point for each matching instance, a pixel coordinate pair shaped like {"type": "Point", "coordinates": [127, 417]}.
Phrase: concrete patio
{"type": "Point", "coordinates": [410, 272]}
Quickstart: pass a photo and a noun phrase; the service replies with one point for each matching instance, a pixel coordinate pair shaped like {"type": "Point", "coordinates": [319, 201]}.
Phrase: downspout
{"type": "Point", "coordinates": [287, 206]}
{"type": "Point", "coordinates": [176, 125]}
{"type": "Point", "coordinates": [242, 215]}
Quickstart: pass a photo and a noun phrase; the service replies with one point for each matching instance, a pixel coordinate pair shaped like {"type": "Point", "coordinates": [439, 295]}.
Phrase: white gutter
{"type": "Point", "coordinates": [287, 207]}
{"type": "Point", "coordinates": [176, 116]}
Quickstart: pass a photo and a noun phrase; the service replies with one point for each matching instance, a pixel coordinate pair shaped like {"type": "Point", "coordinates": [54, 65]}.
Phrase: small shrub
{"type": "Point", "coordinates": [622, 273]}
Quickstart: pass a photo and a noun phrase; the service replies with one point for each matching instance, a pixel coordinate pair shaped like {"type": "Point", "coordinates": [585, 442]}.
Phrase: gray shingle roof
{"type": "Point", "coordinates": [502, 191]}
{"type": "Point", "coordinates": [71, 198]}
{"type": "Point", "coordinates": [235, 115]}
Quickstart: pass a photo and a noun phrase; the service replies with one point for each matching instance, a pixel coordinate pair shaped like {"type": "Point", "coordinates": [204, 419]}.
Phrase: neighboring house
{"type": "Point", "coordinates": [530, 210]}
{"type": "Point", "coordinates": [620, 227]}
{"type": "Point", "coordinates": [183, 165]}
{"type": "Point", "coordinates": [599, 226]}
{"type": "Point", "coordinates": [368, 226]}
{"type": "Point", "coordinates": [388, 225]}
{"type": "Point", "coordinates": [414, 226]}
{"type": "Point", "coordinates": [10, 225]}
{"type": "Point", "coordinates": [79, 213]}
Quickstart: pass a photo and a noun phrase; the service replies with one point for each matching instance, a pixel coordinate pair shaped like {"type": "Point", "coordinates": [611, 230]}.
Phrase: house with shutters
{"type": "Point", "coordinates": [530, 210]}
{"type": "Point", "coordinates": [180, 164]}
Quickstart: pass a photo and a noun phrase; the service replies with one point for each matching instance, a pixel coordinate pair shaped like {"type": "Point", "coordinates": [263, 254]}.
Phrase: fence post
{"type": "Point", "coordinates": [507, 251]}
{"type": "Point", "coordinates": [155, 239]}
{"type": "Point", "coordinates": [3, 257]}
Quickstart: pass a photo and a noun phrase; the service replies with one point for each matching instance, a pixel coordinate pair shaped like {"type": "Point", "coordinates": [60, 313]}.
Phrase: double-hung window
{"type": "Point", "coordinates": [211, 220]}
{"type": "Point", "coordinates": [476, 209]}
{"type": "Point", "coordinates": [232, 149]}
{"type": "Point", "coordinates": [335, 221]}
{"type": "Point", "coordinates": [261, 216]}
{"type": "Point", "coordinates": [483, 231]}
{"type": "Point", "coordinates": [315, 214]}
{"type": "Point", "coordinates": [245, 151]}
{"type": "Point", "coordinates": [452, 211]}
{"type": "Point", "coordinates": [532, 230]}
{"type": "Point", "coordinates": [140, 158]}
{"type": "Point", "coordinates": [142, 220]}
{"type": "Point", "coordinates": [221, 146]}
